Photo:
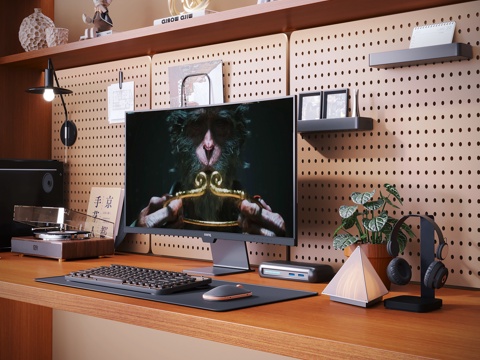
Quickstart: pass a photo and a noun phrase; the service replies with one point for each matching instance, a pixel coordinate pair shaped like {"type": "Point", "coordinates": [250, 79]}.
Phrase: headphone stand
{"type": "Point", "coordinates": [426, 302]}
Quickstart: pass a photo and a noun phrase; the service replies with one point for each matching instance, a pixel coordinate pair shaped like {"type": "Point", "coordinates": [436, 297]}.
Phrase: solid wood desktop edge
{"type": "Point", "coordinates": [301, 328]}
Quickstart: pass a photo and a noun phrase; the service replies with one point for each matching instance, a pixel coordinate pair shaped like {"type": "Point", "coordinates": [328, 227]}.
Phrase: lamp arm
{"type": "Point", "coordinates": [68, 132]}
{"type": "Point", "coordinates": [61, 95]}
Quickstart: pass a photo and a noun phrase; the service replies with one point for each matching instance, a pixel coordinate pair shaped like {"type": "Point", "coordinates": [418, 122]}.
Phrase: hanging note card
{"type": "Point", "coordinates": [120, 101]}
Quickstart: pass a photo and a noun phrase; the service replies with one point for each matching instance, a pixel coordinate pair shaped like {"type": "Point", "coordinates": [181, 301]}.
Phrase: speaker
{"type": "Point", "coordinates": [399, 271]}
{"type": "Point", "coordinates": [29, 183]}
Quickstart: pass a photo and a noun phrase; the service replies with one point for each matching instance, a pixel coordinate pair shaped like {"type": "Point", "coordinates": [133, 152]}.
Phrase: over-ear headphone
{"type": "Point", "coordinates": [399, 271]}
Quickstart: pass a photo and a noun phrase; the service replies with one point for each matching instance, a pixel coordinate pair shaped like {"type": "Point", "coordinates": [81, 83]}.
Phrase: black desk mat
{"type": "Point", "coordinates": [262, 295]}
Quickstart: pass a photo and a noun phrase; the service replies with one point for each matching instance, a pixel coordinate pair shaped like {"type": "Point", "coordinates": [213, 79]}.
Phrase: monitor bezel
{"type": "Point", "coordinates": [214, 235]}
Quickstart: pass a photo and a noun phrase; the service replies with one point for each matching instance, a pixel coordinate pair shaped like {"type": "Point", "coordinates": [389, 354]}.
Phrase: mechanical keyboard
{"type": "Point", "coordinates": [145, 280]}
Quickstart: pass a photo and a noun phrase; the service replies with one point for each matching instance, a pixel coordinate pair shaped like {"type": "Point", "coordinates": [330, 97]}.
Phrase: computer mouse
{"type": "Point", "coordinates": [226, 292]}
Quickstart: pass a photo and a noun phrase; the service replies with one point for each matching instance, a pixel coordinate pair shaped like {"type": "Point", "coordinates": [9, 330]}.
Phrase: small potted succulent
{"type": "Point", "coordinates": [367, 223]}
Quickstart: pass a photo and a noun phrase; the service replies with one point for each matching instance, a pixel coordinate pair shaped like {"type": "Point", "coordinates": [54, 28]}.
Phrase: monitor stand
{"type": "Point", "coordinates": [229, 257]}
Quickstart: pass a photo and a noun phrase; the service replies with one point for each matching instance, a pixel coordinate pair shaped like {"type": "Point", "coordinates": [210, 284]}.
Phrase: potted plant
{"type": "Point", "coordinates": [368, 222]}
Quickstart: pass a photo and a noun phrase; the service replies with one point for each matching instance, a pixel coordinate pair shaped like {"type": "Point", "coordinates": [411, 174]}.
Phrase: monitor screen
{"type": "Point", "coordinates": [216, 172]}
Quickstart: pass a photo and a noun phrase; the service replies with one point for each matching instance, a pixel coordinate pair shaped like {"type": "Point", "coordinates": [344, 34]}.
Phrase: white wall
{"type": "Point", "coordinates": [126, 14]}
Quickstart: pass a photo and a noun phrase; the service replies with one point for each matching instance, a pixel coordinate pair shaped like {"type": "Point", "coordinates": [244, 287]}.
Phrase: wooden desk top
{"type": "Point", "coordinates": [305, 328]}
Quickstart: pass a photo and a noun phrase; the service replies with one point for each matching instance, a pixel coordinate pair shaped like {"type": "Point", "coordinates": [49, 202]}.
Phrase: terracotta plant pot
{"type": "Point", "coordinates": [378, 256]}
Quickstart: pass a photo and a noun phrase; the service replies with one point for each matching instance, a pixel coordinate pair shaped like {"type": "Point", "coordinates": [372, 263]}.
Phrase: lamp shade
{"type": "Point", "coordinates": [357, 282]}
{"type": "Point", "coordinates": [56, 90]}
{"type": "Point", "coordinates": [49, 85]}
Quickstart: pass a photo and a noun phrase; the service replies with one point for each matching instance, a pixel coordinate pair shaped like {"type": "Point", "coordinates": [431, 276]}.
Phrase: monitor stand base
{"type": "Point", "coordinates": [229, 257]}
{"type": "Point", "coordinates": [214, 271]}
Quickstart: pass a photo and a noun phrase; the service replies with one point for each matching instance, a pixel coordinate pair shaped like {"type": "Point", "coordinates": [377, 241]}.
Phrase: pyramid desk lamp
{"type": "Point", "coordinates": [68, 133]}
{"type": "Point", "coordinates": [356, 283]}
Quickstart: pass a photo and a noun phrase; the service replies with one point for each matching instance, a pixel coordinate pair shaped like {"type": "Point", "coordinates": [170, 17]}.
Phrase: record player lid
{"type": "Point", "coordinates": [62, 219]}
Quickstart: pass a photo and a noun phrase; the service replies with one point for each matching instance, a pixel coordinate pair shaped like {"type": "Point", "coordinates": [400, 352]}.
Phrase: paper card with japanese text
{"type": "Point", "coordinates": [105, 204]}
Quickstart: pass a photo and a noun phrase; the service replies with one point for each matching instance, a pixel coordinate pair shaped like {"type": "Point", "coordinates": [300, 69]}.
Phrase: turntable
{"type": "Point", "coordinates": [62, 234]}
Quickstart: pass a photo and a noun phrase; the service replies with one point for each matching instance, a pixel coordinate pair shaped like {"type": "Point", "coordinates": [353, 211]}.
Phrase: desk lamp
{"type": "Point", "coordinates": [68, 133]}
{"type": "Point", "coordinates": [356, 283]}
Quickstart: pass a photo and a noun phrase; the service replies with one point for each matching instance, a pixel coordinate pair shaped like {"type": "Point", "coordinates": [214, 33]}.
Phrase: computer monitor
{"type": "Point", "coordinates": [224, 173]}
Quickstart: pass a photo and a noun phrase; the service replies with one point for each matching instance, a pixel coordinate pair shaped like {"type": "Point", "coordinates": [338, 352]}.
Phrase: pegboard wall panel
{"type": "Point", "coordinates": [252, 69]}
{"type": "Point", "coordinates": [425, 138]}
{"type": "Point", "coordinates": [98, 156]}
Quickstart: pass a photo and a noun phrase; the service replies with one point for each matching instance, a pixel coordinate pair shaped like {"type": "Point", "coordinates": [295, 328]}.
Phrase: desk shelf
{"type": "Point", "coordinates": [423, 55]}
{"type": "Point", "coordinates": [270, 18]}
{"type": "Point", "coordinates": [338, 124]}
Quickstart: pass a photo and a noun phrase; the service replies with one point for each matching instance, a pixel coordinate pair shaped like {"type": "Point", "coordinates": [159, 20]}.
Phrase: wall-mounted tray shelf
{"type": "Point", "coordinates": [338, 124]}
{"type": "Point", "coordinates": [423, 55]}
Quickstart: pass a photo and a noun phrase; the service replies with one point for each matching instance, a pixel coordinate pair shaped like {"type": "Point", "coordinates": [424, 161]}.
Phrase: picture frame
{"type": "Point", "coordinates": [335, 104]}
{"type": "Point", "coordinates": [196, 84]}
{"type": "Point", "coordinates": [310, 106]}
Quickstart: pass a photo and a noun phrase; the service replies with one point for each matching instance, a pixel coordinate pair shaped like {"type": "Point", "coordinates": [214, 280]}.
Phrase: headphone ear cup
{"type": "Point", "coordinates": [436, 275]}
{"type": "Point", "coordinates": [442, 251]}
{"type": "Point", "coordinates": [399, 271]}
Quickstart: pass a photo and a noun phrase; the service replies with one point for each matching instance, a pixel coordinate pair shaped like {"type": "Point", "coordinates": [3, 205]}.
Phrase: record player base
{"type": "Point", "coordinates": [65, 249]}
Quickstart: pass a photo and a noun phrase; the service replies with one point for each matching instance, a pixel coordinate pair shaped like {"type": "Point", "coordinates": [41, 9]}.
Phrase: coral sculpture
{"type": "Point", "coordinates": [32, 31]}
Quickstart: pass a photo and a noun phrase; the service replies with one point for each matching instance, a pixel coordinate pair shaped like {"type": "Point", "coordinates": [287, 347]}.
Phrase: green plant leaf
{"type": "Point", "coordinates": [345, 225]}
{"type": "Point", "coordinates": [391, 189]}
{"type": "Point", "coordinates": [387, 229]}
{"type": "Point", "coordinates": [389, 202]}
{"type": "Point", "coordinates": [341, 241]}
{"type": "Point", "coordinates": [408, 230]}
{"type": "Point", "coordinates": [374, 205]}
{"type": "Point", "coordinates": [377, 223]}
{"type": "Point", "coordinates": [347, 211]}
{"type": "Point", "coordinates": [362, 198]}
{"type": "Point", "coordinates": [349, 222]}
{"type": "Point", "coordinates": [338, 229]}
{"type": "Point", "coordinates": [389, 225]}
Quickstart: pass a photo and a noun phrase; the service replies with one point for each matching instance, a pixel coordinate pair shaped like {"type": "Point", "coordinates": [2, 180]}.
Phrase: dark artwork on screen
{"type": "Point", "coordinates": [223, 168]}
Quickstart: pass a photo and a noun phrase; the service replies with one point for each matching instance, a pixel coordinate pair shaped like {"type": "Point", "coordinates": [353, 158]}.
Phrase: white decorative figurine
{"type": "Point", "coordinates": [101, 20]}
{"type": "Point", "coordinates": [189, 6]}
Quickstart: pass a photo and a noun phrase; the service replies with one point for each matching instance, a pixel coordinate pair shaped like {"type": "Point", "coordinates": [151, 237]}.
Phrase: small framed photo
{"type": "Point", "coordinates": [335, 104]}
{"type": "Point", "coordinates": [310, 106]}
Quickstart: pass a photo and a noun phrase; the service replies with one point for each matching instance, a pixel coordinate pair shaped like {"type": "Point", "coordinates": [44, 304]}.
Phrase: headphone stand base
{"type": "Point", "coordinates": [413, 303]}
